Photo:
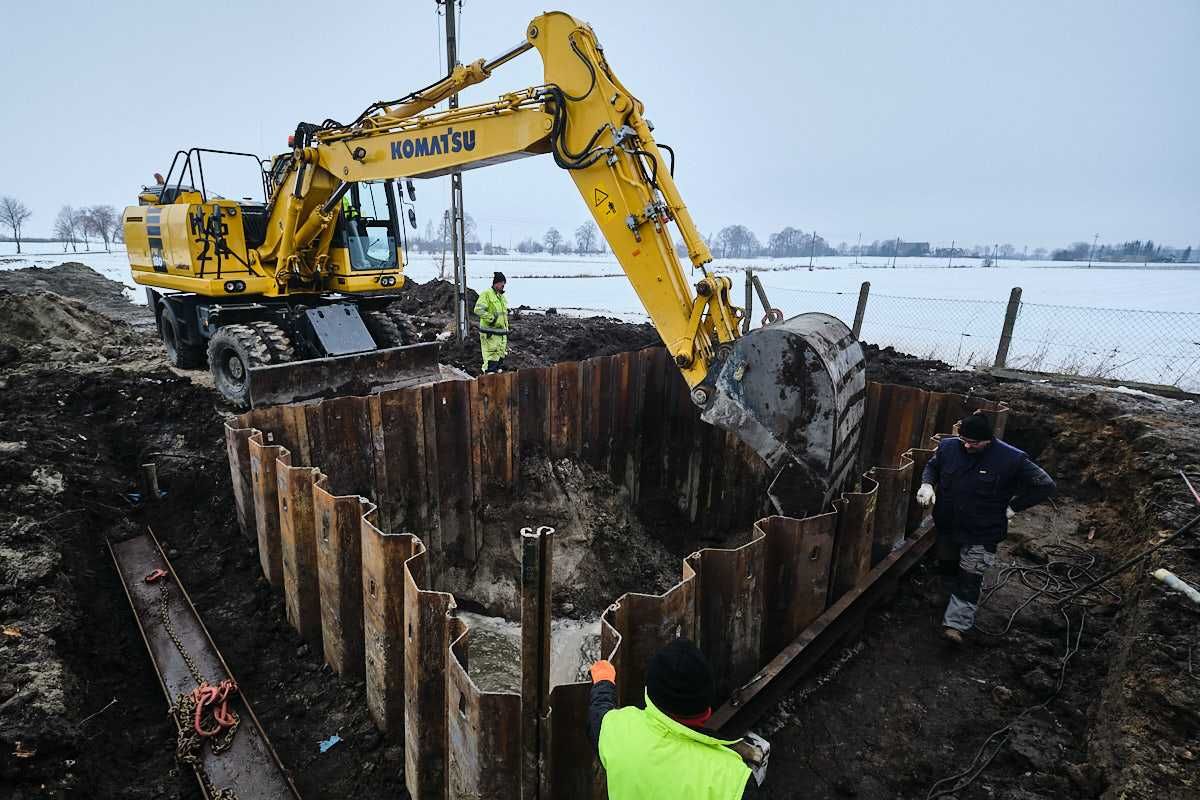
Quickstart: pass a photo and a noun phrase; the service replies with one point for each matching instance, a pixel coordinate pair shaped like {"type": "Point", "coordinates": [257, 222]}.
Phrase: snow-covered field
{"type": "Point", "coordinates": [1129, 324]}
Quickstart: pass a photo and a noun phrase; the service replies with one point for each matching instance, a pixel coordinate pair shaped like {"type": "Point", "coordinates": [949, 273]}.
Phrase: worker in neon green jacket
{"type": "Point", "coordinates": [659, 753]}
{"type": "Point", "coordinates": [492, 310]}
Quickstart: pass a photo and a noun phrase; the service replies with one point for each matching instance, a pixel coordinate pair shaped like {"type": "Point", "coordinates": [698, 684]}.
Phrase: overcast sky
{"type": "Point", "coordinates": [1035, 123]}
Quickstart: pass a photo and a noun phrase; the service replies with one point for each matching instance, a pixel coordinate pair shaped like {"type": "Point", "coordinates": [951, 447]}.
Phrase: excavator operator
{"type": "Point", "coordinates": [492, 310]}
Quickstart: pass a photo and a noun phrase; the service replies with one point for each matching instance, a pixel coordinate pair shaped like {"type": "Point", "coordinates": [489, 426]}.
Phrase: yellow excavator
{"type": "Point", "coordinates": [293, 298]}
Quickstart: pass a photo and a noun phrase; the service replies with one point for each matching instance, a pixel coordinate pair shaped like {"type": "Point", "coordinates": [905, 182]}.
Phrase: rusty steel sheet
{"type": "Point", "coordinates": [432, 458]}
{"type": "Point", "coordinates": [383, 559]}
{"type": "Point", "coordinates": [854, 539]}
{"type": "Point", "coordinates": [250, 766]}
{"type": "Point", "coordinates": [426, 709]}
{"type": "Point", "coordinates": [339, 574]}
{"type": "Point", "coordinates": [298, 548]}
{"type": "Point", "coordinates": [355, 374]}
{"type": "Point", "coordinates": [840, 621]}
{"type": "Point", "coordinates": [901, 418]}
{"type": "Point", "coordinates": [892, 500]}
{"type": "Point", "coordinates": [264, 484]}
{"type": "Point", "coordinates": [483, 730]}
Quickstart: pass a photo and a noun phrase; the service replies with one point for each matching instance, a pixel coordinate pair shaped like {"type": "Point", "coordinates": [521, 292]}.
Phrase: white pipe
{"type": "Point", "coordinates": [1174, 582]}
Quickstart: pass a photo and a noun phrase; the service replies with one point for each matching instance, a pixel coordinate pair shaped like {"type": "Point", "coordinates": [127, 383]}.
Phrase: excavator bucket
{"type": "Point", "coordinates": [795, 391]}
{"type": "Point", "coordinates": [354, 374]}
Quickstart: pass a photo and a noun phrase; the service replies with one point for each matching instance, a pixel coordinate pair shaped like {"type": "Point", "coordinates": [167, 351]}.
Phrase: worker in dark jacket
{"type": "Point", "coordinates": [981, 482]}
{"type": "Point", "coordinates": [659, 753]}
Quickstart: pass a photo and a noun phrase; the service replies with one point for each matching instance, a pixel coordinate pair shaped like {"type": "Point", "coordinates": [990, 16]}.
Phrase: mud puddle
{"type": "Point", "coordinates": [495, 651]}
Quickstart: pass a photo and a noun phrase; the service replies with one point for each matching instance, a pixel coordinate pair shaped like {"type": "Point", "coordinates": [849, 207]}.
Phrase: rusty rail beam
{"type": "Point", "coordinates": [840, 621]}
{"type": "Point", "coordinates": [250, 767]}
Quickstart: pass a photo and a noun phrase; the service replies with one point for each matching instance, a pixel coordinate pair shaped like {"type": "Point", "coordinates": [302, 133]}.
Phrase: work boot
{"type": "Point", "coordinates": [953, 635]}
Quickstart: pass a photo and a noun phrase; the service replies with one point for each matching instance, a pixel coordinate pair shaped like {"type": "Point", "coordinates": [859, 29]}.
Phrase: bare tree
{"type": "Point", "coordinates": [65, 227]}
{"type": "Point", "coordinates": [83, 225]}
{"type": "Point", "coordinates": [100, 220]}
{"type": "Point", "coordinates": [738, 241]}
{"type": "Point", "coordinates": [13, 214]}
{"type": "Point", "coordinates": [585, 237]}
{"type": "Point", "coordinates": [552, 239]}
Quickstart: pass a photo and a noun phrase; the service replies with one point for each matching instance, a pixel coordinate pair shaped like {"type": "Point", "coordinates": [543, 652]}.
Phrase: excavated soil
{"type": "Point", "coordinates": [538, 339]}
{"type": "Point", "coordinates": [601, 547]}
{"type": "Point", "coordinates": [886, 718]}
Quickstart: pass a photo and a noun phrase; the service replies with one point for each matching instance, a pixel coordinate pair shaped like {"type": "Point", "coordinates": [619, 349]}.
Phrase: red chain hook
{"type": "Point", "coordinates": [217, 699]}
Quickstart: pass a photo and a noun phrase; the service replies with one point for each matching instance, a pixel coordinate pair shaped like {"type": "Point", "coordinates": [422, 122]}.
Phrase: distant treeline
{"type": "Point", "coordinates": [738, 241]}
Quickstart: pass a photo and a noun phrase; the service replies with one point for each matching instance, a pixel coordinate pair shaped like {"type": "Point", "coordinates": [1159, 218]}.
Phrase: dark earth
{"type": "Point", "coordinates": [88, 397]}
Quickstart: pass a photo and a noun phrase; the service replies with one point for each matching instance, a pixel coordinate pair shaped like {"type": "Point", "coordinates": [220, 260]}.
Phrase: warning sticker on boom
{"type": "Point", "coordinates": [599, 196]}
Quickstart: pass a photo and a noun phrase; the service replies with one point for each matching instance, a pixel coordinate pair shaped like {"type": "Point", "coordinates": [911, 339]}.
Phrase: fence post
{"type": "Point", "coordinates": [749, 300]}
{"type": "Point", "coordinates": [863, 292]}
{"type": "Point", "coordinates": [1010, 319]}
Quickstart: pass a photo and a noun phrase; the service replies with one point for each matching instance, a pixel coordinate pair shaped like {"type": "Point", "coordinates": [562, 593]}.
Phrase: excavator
{"type": "Point", "coordinates": [293, 298]}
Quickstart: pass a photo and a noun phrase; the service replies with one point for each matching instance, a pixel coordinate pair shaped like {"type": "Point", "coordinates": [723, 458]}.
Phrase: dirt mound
{"type": "Point", "coordinates": [40, 327]}
{"type": "Point", "coordinates": [538, 339]}
{"type": "Point", "coordinates": [81, 282]}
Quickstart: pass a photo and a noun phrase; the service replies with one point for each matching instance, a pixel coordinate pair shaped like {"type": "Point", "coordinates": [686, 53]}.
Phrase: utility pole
{"type": "Point", "coordinates": [811, 250]}
{"type": "Point", "coordinates": [895, 252]}
{"type": "Point", "coordinates": [858, 250]}
{"type": "Point", "coordinates": [950, 263]}
{"type": "Point", "coordinates": [1092, 252]}
{"type": "Point", "coordinates": [457, 227]}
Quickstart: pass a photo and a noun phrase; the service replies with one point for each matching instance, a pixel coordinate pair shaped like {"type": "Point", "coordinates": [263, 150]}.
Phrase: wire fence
{"type": "Point", "coordinates": [1161, 347]}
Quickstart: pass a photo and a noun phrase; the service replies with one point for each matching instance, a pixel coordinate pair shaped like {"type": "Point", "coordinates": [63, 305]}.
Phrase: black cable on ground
{"type": "Point", "coordinates": [1058, 580]}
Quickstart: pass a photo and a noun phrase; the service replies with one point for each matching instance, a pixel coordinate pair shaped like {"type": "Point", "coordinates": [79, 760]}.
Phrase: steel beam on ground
{"type": "Point", "coordinates": [250, 766]}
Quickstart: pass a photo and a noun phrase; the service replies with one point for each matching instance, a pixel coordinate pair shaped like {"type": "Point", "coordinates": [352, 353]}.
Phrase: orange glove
{"type": "Point", "coordinates": [603, 671]}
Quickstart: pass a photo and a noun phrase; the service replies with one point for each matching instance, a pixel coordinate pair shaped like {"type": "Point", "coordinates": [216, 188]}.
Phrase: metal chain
{"type": "Point", "coordinates": [188, 743]}
{"type": "Point", "coordinates": [164, 614]}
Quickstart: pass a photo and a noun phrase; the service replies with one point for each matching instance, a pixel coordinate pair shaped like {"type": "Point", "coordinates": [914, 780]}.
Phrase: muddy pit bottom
{"type": "Point", "coordinates": [603, 546]}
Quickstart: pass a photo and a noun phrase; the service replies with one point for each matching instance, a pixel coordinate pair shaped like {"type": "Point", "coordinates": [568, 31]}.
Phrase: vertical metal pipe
{"type": "Point", "coordinates": [1010, 320]}
{"type": "Point", "coordinates": [457, 226]}
{"type": "Point", "coordinates": [150, 492]}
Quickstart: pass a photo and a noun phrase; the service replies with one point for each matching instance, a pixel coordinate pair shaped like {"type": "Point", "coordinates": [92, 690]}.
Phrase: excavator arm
{"type": "Point", "coordinates": [794, 395]}
{"type": "Point", "coordinates": [595, 129]}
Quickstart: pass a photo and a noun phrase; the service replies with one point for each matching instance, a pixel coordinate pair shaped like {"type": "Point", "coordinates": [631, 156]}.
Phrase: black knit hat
{"type": "Point", "coordinates": [977, 427]}
{"type": "Point", "coordinates": [679, 680]}
{"type": "Point", "coordinates": [499, 278]}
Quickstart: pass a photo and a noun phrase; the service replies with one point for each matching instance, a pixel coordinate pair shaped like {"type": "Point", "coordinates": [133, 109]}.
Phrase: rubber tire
{"type": "Point", "coordinates": [178, 355]}
{"type": "Point", "coordinates": [383, 329]}
{"type": "Point", "coordinates": [232, 352]}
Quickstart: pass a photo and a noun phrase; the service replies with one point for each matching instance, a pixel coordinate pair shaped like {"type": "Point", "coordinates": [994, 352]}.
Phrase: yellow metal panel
{"type": "Point", "coordinates": [433, 150]}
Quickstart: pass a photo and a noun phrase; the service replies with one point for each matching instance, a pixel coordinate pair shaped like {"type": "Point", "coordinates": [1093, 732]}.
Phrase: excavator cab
{"type": "Point", "coordinates": [368, 234]}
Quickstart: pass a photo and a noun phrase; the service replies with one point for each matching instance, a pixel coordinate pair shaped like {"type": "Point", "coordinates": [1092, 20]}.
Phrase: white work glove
{"type": "Point", "coordinates": [925, 495]}
{"type": "Point", "coordinates": [1009, 512]}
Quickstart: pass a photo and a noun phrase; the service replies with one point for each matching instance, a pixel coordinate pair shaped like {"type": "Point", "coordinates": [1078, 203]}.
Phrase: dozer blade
{"type": "Point", "coordinates": [354, 374]}
{"type": "Point", "coordinates": [795, 391]}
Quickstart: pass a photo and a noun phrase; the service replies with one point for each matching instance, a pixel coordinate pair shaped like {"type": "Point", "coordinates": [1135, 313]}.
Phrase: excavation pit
{"type": "Point", "coordinates": [380, 517]}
